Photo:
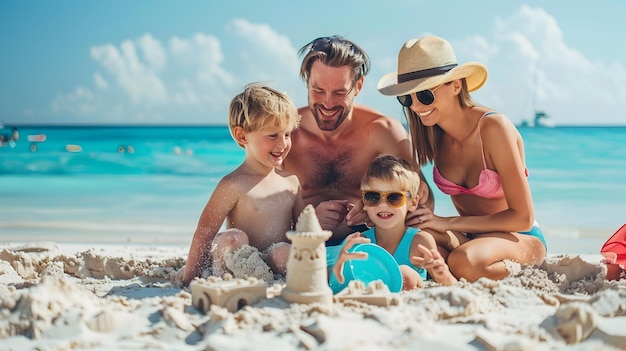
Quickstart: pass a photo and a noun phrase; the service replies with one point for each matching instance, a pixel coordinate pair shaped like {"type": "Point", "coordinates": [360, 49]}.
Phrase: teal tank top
{"type": "Point", "coordinates": [403, 250]}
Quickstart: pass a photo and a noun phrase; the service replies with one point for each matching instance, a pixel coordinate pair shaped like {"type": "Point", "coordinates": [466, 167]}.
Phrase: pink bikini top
{"type": "Point", "coordinates": [489, 185]}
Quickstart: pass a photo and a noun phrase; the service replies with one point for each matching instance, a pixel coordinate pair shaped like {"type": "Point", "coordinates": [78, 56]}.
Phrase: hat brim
{"type": "Point", "coordinates": [475, 74]}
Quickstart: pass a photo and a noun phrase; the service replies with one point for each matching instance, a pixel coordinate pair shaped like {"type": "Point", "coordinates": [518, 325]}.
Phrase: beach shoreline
{"type": "Point", "coordinates": [561, 239]}
{"type": "Point", "coordinates": [120, 296]}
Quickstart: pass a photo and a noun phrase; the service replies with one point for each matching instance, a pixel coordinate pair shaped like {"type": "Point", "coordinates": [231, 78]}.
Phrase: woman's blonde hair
{"type": "Point", "coordinates": [260, 108]}
{"type": "Point", "coordinates": [392, 169]}
{"type": "Point", "coordinates": [425, 140]}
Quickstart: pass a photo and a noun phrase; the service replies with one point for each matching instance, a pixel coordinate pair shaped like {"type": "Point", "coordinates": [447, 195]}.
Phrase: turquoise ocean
{"type": "Point", "coordinates": [149, 184]}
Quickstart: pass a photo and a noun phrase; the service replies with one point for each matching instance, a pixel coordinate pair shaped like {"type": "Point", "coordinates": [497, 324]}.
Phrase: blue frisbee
{"type": "Point", "coordinates": [379, 265]}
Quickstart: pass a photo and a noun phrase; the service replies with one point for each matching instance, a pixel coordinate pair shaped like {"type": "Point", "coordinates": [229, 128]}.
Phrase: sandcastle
{"type": "Point", "coordinates": [231, 293]}
{"type": "Point", "coordinates": [374, 293]}
{"type": "Point", "coordinates": [307, 275]}
{"type": "Point", "coordinates": [306, 281]}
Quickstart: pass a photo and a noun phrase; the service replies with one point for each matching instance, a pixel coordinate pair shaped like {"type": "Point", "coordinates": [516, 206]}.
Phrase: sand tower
{"type": "Point", "coordinates": [307, 275]}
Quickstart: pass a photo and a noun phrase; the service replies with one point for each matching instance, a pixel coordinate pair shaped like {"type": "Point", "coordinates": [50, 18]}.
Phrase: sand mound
{"type": "Point", "coordinates": [91, 299]}
{"type": "Point", "coordinates": [88, 264]}
{"type": "Point", "coordinates": [247, 261]}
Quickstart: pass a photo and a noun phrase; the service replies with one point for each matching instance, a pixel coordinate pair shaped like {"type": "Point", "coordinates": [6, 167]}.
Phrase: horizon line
{"type": "Point", "coordinates": [147, 125]}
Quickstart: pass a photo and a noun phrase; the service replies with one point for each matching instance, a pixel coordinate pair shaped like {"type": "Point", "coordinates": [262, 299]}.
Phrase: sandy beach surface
{"type": "Point", "coordinates": [67, 296]}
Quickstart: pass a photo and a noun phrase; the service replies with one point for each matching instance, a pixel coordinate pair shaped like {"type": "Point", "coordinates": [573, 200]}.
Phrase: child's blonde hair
{"type": "Point", "coordinates": [260, 108]}
{"type": "Point", "coordinates": [395, 170]}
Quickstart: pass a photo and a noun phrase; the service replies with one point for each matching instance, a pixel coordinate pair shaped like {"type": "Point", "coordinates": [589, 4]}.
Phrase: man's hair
{"type": "Point", "coordinates": [260, 108]}
{"type": "Point", "coordinates": [392, 169]}
{"type": "Point", "coordinates": [334, 51]}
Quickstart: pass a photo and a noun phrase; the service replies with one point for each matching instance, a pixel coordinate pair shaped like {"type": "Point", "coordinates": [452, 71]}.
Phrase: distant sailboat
{"type": "Point", "coordinates": [541, 119]}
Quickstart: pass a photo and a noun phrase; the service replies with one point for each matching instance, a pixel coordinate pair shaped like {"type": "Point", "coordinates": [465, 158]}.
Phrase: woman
{"type": "Point", "coordinates": [478, 158]}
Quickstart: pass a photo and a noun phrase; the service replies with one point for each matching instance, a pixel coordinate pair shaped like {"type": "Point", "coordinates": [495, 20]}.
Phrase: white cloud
{"type": "Point", "coordinates": [201, 58]}
{"type": "Point", "coordinates": [188, 76]}
{"type": "Point", "coordinates": [263, 39]}
{"type": "Point", "coordinates": [529, 60]}
{"type": "Point", "coordinates": [268, 55]}
{"type": "Point", "coordinates": [186, 95]}
{"type": "Point", "coordinates": [100, 81]}
{"type": "Point", "coordinates": [477, 47]}
{"type": "Point", "coordinates": [140, 81]}
{"type": "Point", "coordinates": [194, 77]}
{"type": "Point", "coordinates": [153, 51]}
{"type": "Point", "coordinates": [80, 102]}
{"type": "Point", "coordinates": [157, 82]}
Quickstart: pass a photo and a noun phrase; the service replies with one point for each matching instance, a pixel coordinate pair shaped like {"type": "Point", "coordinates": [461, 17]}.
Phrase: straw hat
{"type": "Point", "coordinates": [426, 63]}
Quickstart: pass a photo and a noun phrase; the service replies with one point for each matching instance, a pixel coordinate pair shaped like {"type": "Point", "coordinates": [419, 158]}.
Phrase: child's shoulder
{"type": "Point", "coordinates": [283, 173]}
{"type": "Point", "coordinates": [234, 179]}
{"type": "Point", "coordinates": [291, 177]}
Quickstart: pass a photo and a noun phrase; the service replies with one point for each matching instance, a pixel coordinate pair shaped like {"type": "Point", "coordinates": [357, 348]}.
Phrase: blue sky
{"type": "Point", "coordinates": [180, 62]}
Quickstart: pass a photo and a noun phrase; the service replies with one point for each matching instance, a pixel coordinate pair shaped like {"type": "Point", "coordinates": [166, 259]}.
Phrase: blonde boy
{"type": "Point", "coordinates": [389, 192]}
{"type": "Point", "coordinates": [258, 201]}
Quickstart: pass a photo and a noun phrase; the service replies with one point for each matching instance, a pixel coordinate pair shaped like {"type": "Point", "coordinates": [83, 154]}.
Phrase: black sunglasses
{"type": "Point", "coordinates": [395, 199]}
{"type": "Point", "coordinates": [425, 97]}
{"type": "Point", "coordinates": [323, 44]}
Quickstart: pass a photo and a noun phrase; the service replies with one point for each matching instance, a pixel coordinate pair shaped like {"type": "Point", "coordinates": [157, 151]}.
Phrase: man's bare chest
{"type": "Point", "coordinates": [331, 168]}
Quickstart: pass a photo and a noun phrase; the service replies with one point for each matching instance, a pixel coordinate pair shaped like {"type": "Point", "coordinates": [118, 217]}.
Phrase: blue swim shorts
{"type": "Point", "coordinates": [534, 231]}
{"type": "Point", "coordinates": [537, 233]}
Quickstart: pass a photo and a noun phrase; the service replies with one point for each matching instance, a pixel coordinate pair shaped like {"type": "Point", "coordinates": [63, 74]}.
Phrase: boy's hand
{"type": "Point", "coordinates": [344, 255]}
{"type": "Point", "coordinates": [179, 277]}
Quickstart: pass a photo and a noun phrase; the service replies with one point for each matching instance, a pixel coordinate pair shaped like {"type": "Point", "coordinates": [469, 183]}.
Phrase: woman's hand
{"type": "Point", "coordinates": [424, 218]}
{"type": "Point", "coordinates": [344, 255]}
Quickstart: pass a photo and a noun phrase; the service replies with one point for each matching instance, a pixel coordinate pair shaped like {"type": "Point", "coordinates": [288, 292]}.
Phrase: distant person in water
{"type": "Point", "coordinates": [258, 201]}
{"type": "Point", "coordinates": [130, 149]}
{"type": "Point", "coordinates": [10, 138]}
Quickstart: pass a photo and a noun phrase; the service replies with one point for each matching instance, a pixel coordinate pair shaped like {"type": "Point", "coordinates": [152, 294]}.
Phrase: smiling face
{"type": "Point", "coordinates": [331, 94]}
{"type": "Point", "coordinates": [440, 95]}
{"type": "Point", "coordinates": [268, 148]}
{"type": "Point", "coordinates": [383, 215]}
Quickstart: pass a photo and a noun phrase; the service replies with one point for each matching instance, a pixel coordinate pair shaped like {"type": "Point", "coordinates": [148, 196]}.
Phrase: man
{"type": "Point", "coordinates": [337, 139]}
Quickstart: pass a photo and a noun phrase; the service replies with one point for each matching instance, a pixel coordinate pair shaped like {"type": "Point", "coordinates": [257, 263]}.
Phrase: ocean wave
{"type": "Point", "coordinates": [56, 163]}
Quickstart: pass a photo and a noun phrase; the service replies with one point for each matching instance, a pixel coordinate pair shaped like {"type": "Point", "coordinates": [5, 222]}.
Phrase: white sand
{"type": "Point", "coordinates": [119, 297]}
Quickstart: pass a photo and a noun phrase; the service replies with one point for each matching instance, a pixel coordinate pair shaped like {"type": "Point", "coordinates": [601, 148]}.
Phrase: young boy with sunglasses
{"type": "Point", "coordinates": [389, 191]}
{"type": "Point", "coordinates": [258, 201]}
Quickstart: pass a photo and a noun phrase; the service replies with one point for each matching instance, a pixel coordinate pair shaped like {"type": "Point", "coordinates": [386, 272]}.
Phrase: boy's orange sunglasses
{"type": "Point", "coordinates": [395, 199]}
